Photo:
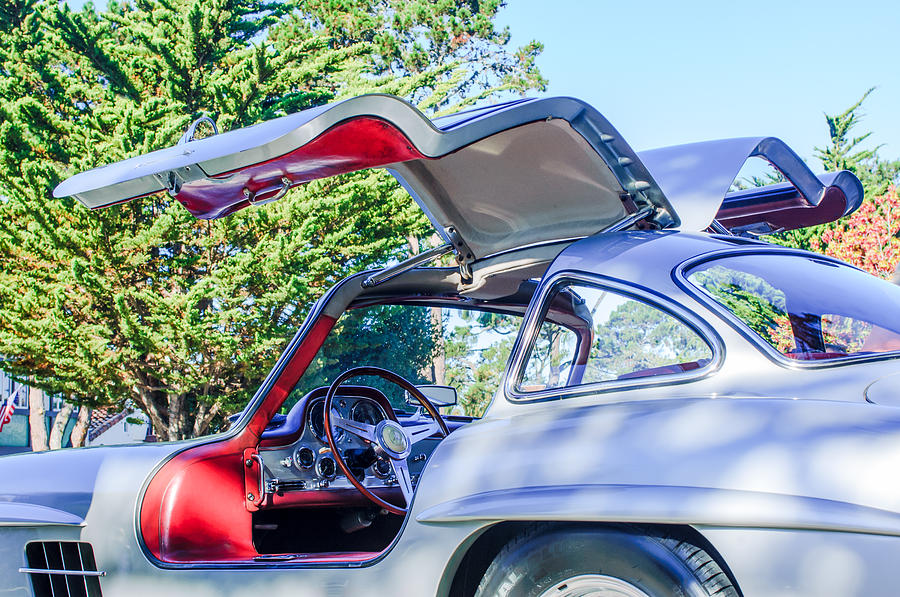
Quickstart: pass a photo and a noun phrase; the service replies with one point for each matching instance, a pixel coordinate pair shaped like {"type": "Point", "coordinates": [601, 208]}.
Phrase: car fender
{"type": "Point", "coordinates": [750, 462]}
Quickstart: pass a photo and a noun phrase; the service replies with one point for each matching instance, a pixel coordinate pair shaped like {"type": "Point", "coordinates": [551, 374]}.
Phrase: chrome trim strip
{"type": "Point", "coordinates": [528, 335]}
{"type": "Point", "coordinates": [62, 572]}
{"type": "Point", "coordinates": [17, 514]}
{"type": "Point", "coordinates": [678, 275]}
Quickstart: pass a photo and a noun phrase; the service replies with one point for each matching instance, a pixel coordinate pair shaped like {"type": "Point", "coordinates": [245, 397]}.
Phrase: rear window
{"type": "Point", "coordinates": [804, 307]}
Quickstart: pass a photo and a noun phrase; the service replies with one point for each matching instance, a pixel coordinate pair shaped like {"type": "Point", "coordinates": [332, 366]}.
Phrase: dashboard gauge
{"type": "Point", "coordinates": [317, 422]}
{"type": "Point", "coordinates": [326, 467]}
{"type": "Point", "coordinates": [304, 457]}
{"type": "Point", "coordinates": [367, 412]}
{"type": "Point", "coordinates": [382, 468]}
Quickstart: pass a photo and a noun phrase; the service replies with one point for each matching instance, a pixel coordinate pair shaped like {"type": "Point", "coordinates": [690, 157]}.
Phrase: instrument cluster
{"type": "Point", "coordinates": [309, 463]}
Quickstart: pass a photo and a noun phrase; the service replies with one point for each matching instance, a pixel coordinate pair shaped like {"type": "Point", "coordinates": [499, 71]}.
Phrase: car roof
{"type": "Point", "coordinates": [644, 258]}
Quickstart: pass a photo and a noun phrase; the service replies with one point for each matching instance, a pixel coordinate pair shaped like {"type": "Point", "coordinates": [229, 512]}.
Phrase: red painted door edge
{"type": "Point", "coordinates": [195, 508]}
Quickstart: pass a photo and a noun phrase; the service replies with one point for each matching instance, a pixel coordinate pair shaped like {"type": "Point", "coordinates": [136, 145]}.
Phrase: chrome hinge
{"type": "Point", "coordinates": [173, 180]}
{"type": "Point", "coordinates": [464, 255]}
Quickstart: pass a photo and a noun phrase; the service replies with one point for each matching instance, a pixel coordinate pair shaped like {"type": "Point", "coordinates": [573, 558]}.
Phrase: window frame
{"type": "Point", "coordinates": [680, 275]}
{"type": "Point", "coordinates": [534, 318]}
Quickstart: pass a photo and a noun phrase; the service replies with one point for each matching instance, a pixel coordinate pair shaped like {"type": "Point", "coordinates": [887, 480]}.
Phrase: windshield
{"type": "Point", "coordinates": [466, 349]}
{"type": "Point", "coordinates": [804, 307]}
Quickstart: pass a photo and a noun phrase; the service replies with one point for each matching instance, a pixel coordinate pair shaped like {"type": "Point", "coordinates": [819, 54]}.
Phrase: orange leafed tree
{"type": "Point", "coordinates": [868, 238]}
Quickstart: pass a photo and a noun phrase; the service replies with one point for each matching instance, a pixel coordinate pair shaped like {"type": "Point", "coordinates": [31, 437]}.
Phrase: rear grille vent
{"type": "Point", "coordinates": [62, 569]}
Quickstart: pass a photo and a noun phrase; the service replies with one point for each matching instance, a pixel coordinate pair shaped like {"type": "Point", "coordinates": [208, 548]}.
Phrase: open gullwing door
{"type": "Point", "coordinates": [497, 178]}
{"type": "Point", "coordinates": [697, 179]}
{"type": "Point", "coordinates": [502, 177]}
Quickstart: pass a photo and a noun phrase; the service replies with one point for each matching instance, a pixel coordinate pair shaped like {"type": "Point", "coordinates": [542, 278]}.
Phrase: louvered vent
{"type": "Point", "coordinates": [62, 569]}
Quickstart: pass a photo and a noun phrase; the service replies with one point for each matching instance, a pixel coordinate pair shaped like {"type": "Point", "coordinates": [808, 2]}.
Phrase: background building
{"type": "Point", "coordinates": [106, 426]}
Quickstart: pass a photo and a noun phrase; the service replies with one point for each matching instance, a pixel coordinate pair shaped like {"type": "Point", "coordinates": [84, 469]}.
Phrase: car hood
{"type": "Point", "coordinates": [58, 487]}
{"type": "Point", "coordinates": [492, 179]}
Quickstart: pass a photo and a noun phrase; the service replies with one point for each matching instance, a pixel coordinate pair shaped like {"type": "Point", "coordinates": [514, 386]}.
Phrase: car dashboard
{"type": "Point", "coordinates": [297, 462]}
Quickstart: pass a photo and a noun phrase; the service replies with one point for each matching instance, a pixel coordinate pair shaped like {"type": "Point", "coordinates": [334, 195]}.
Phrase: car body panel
{"type": "Point", "coordinates": [697, 178]}
{"type": "Point", "coordinates": [787, 563]}
{"type": "Point", "coordinates": [665, 504]}
{"type": "Point", "coordinates": [24, 514]}
{"type": "Point", "coordinates": [752, 462]}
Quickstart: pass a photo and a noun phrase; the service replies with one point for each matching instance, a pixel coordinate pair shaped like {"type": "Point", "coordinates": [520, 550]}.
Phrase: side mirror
{"type": "Point", "coordinates": [439, 395]}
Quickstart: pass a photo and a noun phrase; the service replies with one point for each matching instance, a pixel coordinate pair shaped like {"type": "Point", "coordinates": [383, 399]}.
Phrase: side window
{"type": "Point", "coordinates": [753, 299]}
{"type": "Point", "coordinates": [607, 336]}
{"type": "Point", "coordinates": [804, 307]}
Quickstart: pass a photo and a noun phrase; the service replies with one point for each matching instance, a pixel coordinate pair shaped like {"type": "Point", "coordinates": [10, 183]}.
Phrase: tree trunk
{"type": "Point", "coordinates": [204, 417]}
{"type": "Point", "coordinates": [36, 420]}
{"type": "Point", "coordinates": [58, 430]}
{"type": "Point", "coordinates": [80, 430]}
{"type": "Point", "coordinates": [145, 400]}
{"type": "Point", "coordinates": [177, 416]}
{"type": "Point", "coordinates": [439, 364]}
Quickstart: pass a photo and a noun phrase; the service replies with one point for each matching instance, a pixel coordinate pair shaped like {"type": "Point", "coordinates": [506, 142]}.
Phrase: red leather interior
{"type": "Point", "coordinates": [353, 145]}
{"type": "Point", "coordinates": [195, 507]}
{"type": "Point", "coordinates": [323, 558]}
{"type": "Point", "coordinates": [334, 497]}
{"type": "Point", "coordinates": [792, 211]}
{"type": "Point", "coordinates": [664, 370]}
{"type": "Point", "coordinates": [815, 356]}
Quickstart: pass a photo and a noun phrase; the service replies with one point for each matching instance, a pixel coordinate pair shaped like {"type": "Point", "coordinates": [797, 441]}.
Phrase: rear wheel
{"type": "Point", "coordinates": [546, 561]}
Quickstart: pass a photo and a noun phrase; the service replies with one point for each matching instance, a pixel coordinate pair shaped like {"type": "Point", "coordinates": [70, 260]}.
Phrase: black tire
{"type": "Point", "coordinates": [544, 557]}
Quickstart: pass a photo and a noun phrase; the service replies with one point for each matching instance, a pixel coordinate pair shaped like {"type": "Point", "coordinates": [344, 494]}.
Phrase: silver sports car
{"type": "Point", "coordinates": [683, 410]}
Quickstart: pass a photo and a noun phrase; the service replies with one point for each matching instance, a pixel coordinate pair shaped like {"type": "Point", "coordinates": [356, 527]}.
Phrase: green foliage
{"type": "Point", "coordinates": [628, 336]}
{"type": "Point", "coordinates": [638, 337]}
{"type": "Point", "coordinates": [754, 301]}
{"type": "Point", "coordinates": [472, 348]}
{"type": "Point", "coordinates": [142, 301]}
{"type": "Point", "coordinates": [395, 337]}
{"type": "Point", "coordinates": [843, 152]}
{"type": "Point", "coordinates": [476, 356]}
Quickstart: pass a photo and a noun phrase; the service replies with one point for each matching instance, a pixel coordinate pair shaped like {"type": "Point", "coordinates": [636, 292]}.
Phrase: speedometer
{"type": "Point", "coordinates": [317, 422]}
{"type": "Point", "coordinates": [367, 412]}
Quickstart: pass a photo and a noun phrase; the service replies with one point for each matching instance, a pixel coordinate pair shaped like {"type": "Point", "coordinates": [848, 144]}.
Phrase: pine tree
{"type": "Point", "coordinates": [142, 302]}
{"type": "Point", "coordinates": [843, 152]}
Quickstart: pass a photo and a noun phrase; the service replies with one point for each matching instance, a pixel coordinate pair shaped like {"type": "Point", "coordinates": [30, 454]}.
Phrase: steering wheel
{"type": "Point", "coordinates": [388, 437]}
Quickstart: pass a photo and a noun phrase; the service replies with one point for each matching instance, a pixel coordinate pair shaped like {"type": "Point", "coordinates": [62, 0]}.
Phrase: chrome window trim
{"type": "Point", "coordinates": [528, 334]}
{"type": "Point", "coordinates": [680, 278]}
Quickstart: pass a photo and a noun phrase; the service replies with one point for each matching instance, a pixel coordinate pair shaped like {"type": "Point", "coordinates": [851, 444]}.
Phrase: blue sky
{"type": "Point", "coordinates": [666, 73]}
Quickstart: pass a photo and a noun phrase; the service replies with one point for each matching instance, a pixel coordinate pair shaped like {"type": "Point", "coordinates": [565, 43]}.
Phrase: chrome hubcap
{"type": "Point", "coordinates": [593, 585]}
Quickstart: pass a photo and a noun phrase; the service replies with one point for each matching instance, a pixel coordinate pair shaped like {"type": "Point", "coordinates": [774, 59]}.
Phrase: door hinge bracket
{"type": "Point", "coordinates": [464, 255]}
